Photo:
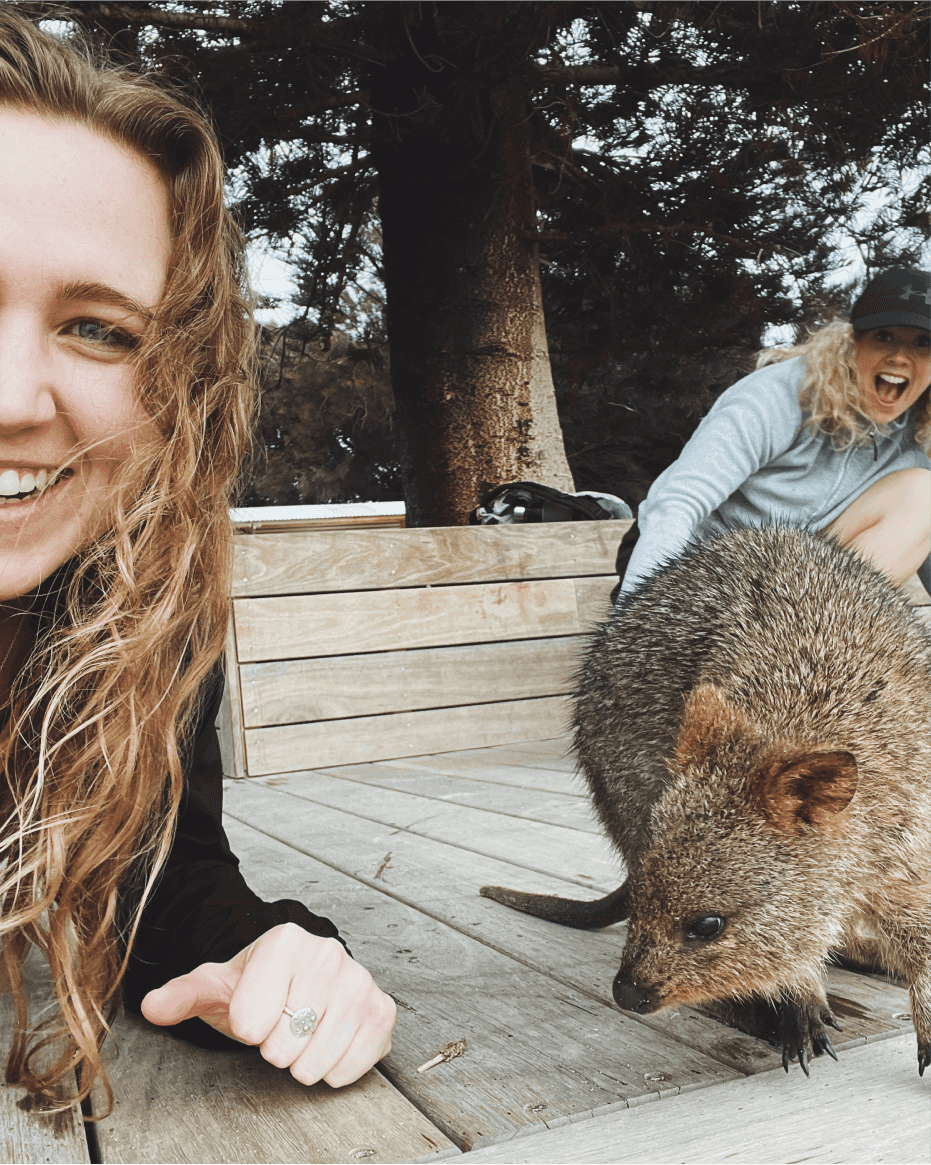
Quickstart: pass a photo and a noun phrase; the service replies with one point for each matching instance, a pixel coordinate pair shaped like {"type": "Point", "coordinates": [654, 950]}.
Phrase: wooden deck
{"type": "Point", "coordinates": [395, 853]}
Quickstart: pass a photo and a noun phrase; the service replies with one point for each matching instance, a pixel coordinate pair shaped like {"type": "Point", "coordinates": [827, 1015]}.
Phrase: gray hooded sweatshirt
{"type": "Point", "coordinates": [751, 461]}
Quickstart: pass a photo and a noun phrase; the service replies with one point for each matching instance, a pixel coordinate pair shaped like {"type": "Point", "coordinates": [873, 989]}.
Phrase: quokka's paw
{"type": "Point", "coordinates": [924, 1056]}
{"type": "Point", "coordinates": [803, 1032]}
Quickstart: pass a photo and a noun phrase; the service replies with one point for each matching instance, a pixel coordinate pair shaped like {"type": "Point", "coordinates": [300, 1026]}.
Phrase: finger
{"type": "Point", "coordinates": [282, 1046]}
{"type": "Point", "coordinates": [257, 1005]}
{"type": "Point", "coordinates": [347, 1046]}
{"type": "Point", "coordinates": [359, 1058]}
{"type": "Point", "coordinates": [312, 1056]}
{"type": "Point", "coordinates": [328, 979]}
{"type": "Point", "coordinates": [205, 991]}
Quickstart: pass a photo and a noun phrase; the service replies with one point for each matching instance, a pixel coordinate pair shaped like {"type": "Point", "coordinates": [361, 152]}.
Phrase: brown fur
{"type": "Point", "coordinates": [753, 726]}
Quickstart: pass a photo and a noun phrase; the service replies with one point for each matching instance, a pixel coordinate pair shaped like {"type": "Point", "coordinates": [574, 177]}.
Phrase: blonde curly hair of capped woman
{"type": "Point", "coordinates": [831, 396]}
{"type": "Point", "coordinates": [102, 706]}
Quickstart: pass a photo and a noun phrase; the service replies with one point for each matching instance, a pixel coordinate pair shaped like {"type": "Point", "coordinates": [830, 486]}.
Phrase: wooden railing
{"type": "Point", "coordinates": [358, 644]}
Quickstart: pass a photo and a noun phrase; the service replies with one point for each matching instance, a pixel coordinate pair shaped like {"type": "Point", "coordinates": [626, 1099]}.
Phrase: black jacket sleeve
{"type": "Point", "coordinates": [201, 909]}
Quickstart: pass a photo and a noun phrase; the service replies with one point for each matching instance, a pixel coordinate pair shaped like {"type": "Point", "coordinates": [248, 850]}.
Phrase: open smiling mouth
{"type": "Point", "coordinates": [29, 486]}
{"type": "Point", "coordinates": [890, 387]}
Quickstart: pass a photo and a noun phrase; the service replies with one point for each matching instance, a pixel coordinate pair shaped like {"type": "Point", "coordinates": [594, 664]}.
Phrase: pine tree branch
{"type": "Point", "coordinates": [142, 14]}
{"type": "Point", "coordinates": [198, 21]}
{"type": "Point", "coordinates": [631, 228]}
{"type": "Point", "coordinates": [681, 72]}
{"type": "Point", "coordinates": [342, 100]}
{"type": "Point", "coordinates": [336, 35]}
{"type": "Point", "coordinates": [676, 72]}
{"type": "Point", "coordinates": [582, 74]}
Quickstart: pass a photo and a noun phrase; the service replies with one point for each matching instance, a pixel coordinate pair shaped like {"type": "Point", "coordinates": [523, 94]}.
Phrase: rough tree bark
{"type": "Point", "coordinates": [469, 361]}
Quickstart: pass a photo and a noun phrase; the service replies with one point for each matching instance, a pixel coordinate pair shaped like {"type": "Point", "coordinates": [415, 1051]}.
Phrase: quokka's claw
{"type": "Point", "coordinates": [821, 1044]}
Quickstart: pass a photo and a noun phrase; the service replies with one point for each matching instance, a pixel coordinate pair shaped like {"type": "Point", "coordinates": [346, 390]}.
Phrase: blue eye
{"type": "Point", "coordinates": [103, 335]}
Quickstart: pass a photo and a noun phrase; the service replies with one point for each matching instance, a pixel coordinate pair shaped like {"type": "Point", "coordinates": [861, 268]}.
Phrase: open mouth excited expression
{"type": "Point", "coordinates": [895, 369]}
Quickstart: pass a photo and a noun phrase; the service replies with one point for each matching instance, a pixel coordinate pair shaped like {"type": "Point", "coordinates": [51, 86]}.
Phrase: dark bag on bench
{"type": "Point", "coordinates": [528, 501]}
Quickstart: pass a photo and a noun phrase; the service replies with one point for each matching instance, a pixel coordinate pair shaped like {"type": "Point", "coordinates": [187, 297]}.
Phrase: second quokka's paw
{"type": "Point", "coordinates": [803, 1032]}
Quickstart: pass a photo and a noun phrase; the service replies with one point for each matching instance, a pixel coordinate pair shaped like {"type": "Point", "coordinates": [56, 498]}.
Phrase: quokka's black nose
{"type": "Point", "coordinates": [630, 995]}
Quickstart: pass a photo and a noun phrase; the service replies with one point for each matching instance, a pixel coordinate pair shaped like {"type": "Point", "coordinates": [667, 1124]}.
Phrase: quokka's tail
{"type": "Point", "coordinates": [566, 911]}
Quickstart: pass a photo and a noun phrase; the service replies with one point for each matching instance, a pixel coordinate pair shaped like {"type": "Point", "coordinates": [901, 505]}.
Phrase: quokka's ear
{"type": "Point", "coordinates": [809, 790]}
{"type": "Point", "coordinates": [707, 722]}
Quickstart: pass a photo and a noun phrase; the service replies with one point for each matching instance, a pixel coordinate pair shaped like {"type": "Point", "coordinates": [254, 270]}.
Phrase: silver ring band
{"type": "Point", "coordinates": [303, 1021]}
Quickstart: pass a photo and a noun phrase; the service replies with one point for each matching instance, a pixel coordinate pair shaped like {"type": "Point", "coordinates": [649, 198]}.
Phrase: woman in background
{"type": "Point", "coordinates": [831, 434]}
{"type": "Point", "coordinates": [126, 400]}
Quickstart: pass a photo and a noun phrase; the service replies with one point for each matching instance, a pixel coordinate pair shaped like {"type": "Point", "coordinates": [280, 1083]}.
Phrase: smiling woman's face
{"type": "Point", "coordinates": [84, 247]}
{"type": "Point", "coordinates": [895, 368]}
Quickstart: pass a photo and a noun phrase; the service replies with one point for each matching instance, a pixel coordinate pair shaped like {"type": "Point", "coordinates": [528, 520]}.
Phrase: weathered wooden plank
{"type": "Point", "coordinates": [467, 766]}
{"type": "Point", "coordinates": [573, 812]}
{"type": "Point", "coordinates": [294, 691]}
{"type": "Point", "coordinates": [550, 753]}
{"type": "Point", "coordinates": [230, 721]}
{"type": "Point", "coordinates": [225, 736]}
{"type": "Point", "coordinates": [26, 1133]}
{"type": "Point", "coordinates": [312, 561]}
{"type": "Point", "coordinates": [269, 524]}
{"type": "Point", "coordinates": [576, 855]}
{"type": "Point", "coordinates": [299, 746]}
{"type": "Point", "coordinates": [179, 1103]}
{"type": "Point", "coordinates": [443, 880]}
{"type": "Point", "coordinates": [529, 1053]}
{"type": "Point", "coordinates": [868, 1007]}
{"type": "Point", "coordinates": [593, 597]}
{"type": "Point", "coordinates": [872, 1108]}
{"type": "Point", "coordinates": [303, 626]}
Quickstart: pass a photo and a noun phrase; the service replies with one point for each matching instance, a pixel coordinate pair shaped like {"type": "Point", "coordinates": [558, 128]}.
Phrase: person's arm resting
{"type": "Point", "coordinates": [201, 909]}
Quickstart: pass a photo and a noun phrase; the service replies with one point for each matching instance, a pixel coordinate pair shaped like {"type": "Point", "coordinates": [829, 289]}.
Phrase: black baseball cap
{"type": "Point", "coordinates": [900, 295]}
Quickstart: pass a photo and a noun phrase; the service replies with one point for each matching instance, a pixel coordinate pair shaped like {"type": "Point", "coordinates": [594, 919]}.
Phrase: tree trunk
{"type": "Point", "coordinates": [469, 361]}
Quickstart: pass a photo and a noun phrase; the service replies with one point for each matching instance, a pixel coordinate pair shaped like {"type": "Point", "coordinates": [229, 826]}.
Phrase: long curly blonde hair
{"type": "Point", "coordinates": [831, 396]}
{"type": "Point", "coordinates": [106, 703]}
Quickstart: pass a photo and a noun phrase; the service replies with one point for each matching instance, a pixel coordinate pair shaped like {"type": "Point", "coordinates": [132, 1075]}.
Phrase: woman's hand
{"type": "Point", "coordinates": [287, 967]}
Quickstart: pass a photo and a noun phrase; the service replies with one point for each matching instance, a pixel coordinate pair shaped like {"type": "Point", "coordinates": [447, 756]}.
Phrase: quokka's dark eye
{"type": "Point", "coordinates": [704, 927]}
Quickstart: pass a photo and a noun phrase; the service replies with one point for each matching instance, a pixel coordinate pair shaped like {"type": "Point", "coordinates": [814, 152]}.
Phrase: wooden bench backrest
{"type": "Point", "coordinates": [361, 645]}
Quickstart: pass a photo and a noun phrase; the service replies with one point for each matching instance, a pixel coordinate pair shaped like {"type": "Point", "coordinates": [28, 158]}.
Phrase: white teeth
{"type": "Point", "coordinates": [9, 483]}
{"type": "Point", "coordinates": [886, 376]}
{"type": "Point", "coordinates": [13, 483]}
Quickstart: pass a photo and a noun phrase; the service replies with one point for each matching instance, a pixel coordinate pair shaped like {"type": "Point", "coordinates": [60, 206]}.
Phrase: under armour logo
{"type": "Point", "coordinates": [907, 293]}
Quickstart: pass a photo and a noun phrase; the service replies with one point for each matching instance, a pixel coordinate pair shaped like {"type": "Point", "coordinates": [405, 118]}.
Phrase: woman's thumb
{"type": "Point", "coordinates": [202, 992]}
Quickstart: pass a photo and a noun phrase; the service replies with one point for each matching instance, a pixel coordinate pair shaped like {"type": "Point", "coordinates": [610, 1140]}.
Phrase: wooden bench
{"type": "Point", "coordinates": [370, 644]}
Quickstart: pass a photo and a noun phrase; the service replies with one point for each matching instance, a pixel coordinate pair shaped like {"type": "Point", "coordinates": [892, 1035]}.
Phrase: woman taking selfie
{"type": "Point", "coordinates": [831, 434]}
{"type": "Point", "coordinates": [126, 398]}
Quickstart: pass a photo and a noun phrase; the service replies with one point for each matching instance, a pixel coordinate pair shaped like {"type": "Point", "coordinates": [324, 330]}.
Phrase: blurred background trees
{"type": "Point", "coordinates": [663, 183]}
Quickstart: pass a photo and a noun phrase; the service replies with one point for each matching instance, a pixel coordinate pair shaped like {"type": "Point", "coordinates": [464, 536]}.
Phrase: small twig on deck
{"type": "Point", "coordinates": [450, 1052]}
{"type": "Point", "coordinates": [385, 863]}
